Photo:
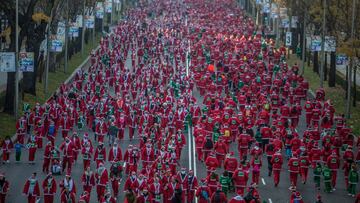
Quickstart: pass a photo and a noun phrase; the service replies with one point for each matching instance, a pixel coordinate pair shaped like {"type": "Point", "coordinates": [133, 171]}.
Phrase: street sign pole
{"type": "Point", "coordinates": [16, 107]}
{"type": "Point", "coordinates": [323, 47]}
{"type": "Point", "coordinates": [66, 36]}
{"type": "Point", "coordinates": [83, 30]}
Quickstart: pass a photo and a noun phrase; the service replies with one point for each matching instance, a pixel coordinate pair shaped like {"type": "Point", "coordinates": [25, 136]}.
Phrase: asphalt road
{"type": "Point", "coordinates": [17, 173]}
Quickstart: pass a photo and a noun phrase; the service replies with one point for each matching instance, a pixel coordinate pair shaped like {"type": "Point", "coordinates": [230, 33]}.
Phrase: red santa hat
{"type": "Point", "coordinates": [68, 174]}
{"type": "Point", "coordinates": [86, 135]}
{"type": "Point", "coordinates": [298, 195]}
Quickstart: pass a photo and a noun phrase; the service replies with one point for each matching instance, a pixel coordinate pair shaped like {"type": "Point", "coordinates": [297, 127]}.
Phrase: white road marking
{"type": "Point", "coordinates": [124, 165]}
{"type": "Point", "coordinates": [190, 151]}
{"type": "Point", "coordinates": [263, 181]}
{"type": "Point", "coordinates": [270, 201]}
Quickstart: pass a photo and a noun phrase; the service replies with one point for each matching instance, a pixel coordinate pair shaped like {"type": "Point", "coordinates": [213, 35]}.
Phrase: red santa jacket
{"type": "Point", "coordinates": [49, 186]}
{"type": "Point", "coordinates": [115, 154]}
{"type": "Point", "coordinates": [31, 183]}
{"type": "Point", "coordinates": [67, 197]}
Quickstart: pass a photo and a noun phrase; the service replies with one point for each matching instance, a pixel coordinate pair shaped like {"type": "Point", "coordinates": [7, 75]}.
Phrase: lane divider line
{"type": "Point", "coordinates": [263, 181]}
{"type": "Point", "coordinates": [270, 201]}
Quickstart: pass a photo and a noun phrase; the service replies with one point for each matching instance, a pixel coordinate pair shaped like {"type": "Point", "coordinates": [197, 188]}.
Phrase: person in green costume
{"type": "Point", "coordinates": [225, 182]}
{"type": "Point", "coordinates": [353, 180]}
{"type": "Point", "coordinates": [317, 175]}
{"type": "Point", "coordinates": [327, 179]}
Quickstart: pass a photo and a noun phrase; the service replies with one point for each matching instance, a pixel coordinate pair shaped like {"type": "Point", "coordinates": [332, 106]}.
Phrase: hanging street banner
{"type": "Point", "coordinates": [330, 44]}
{"type": "Point", "coordinates": [7, 62]}
{"type": "Point", "coordinates": [315, 43]}
{"type": "Point", "coordinates": [26, 61]}
{"type": "Point", "coordinates": [60, 33]}
{"type": "Point", "coordinates": [99, 10]}
{"type": "Point", "coordinates": [56, 45]}
{"type": "Point", "coordinates": [341, 60]}
{"type": "Point", "coordinates": [73, 30]}
{"type": "Point", "coordinates": [108, 6]}
{"type": "Point", "coordinates": [79, 21]}
{"type": "Point", "coordinates": [90, 21]}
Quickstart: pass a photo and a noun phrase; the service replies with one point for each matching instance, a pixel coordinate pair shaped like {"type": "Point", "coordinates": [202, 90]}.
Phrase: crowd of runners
{"type": "Point", "coordinates": [199, 67]}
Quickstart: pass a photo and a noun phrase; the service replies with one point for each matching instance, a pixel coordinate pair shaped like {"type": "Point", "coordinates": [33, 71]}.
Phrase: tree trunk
{"type": "Point", "coordinates": [332, 71]}
{"type": "Point", "coordinates": [10, 86]}
{"type": "Point", "coordinates": [325, 67]}
{"type": "Point", "coordinates": [347, 78]}
{"type": "Point", "coordinates": [316, 62]}
{"type": "Point", "coordinates": [354, 88]}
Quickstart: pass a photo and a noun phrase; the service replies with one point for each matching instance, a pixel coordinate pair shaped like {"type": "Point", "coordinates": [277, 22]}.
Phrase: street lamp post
{"type": "Point", "coordinates": [16, 110]}
{"type": "Point", "coordinates": [66, 36]}
{"type": "Point", "coordinates": [323, 47]}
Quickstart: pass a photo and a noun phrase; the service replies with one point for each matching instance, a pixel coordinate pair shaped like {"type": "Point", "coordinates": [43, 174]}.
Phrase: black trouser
{"type": "Point", "coordinates": [269, 164]}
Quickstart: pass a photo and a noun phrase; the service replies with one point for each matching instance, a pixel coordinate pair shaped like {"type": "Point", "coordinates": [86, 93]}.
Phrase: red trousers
{"type": "Point", "coordinates": [220, 158]}
{"type": "Point", "coordinates": [86, 163]}
{"type": "Point", "coordinates": [115, 187]}
{"type": "Point", "coordinates": [255, 177]}
{"type": "Point", "coordinates": [2, 198]}
{"type": "Point", "coordinates": [100, 190]}
{"type": "Point", "coordinates": [48, 198]}
{"type": "Point", "coordinates": [87, 188]}
{"type": "Point", "coordinates": [240, 189]}
{"type": "Point", "coordinates": [32, 152]}
{"type": "Point", "coordinates": [191, 196]}
{"type": "Point", "coordinates": [199, 153]}
{"type": "Point", "coordinates": [46, 164]}
{"type": "Point", "coordinates": [304, 174]}
{"type": "Point", "coordinates": [67, 162]}
{"type": "Point", "coordinates": [293, 178]}
{"type": "Point", "coordinates": [131, 132]}
{"type": "Point", "coordinates": [333, 178]}
{"type": "Point", "coordinates": [31, 199]}
{"type": "Point", "coordinates": [276, 176]}
{"type": "Point", "coordinates": [6, 156]}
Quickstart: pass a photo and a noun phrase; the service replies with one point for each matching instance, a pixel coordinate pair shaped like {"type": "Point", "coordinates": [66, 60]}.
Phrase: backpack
{"type": "Point", "coordinates": [209, 144]}
{"type": "Point", "coordinates": [249, 196]}
{"type": "Point", "coordinates": [204, 194]}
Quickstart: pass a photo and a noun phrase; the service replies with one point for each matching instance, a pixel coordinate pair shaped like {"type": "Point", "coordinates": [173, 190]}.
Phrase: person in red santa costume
{"type": "Point", "coordinates": [75, 140]}
{"type": "Point", "coordinates": [101, 180]}
{"type": "Point", "coordinates": [237, 199]}
{"type": "Point", "coordinates": [243, 144]}
{"type": "Point", "coordinates": [115, 153]}
{"type": "Point", "coordinates": [88, 180]}
{"type": "Point", "coordinates": [156, 189]}
{"type": "Point", "coordinates": [220, 150]}
{"type": "Point", "coordinates": [296, 197]}
{"type": "Point", "coordinates": [65, 124]}
{"type": "Point", "coordinates": [7, 146]}
{"type": "Point", "coordinates": [203, 192]}
{"type": "Point", "coordinates": [199, 142]}
{"type": "Point", "coordinates": [333, 161]}
{"type": "Point", "coordinates": [84, 197]}
{"type": "Point", "coordinates": [211, 163]}
{"type": "Point", "coordinates": [68, 183]}
{"type": "Point", "coordinates": [144, 196]}
{"type": "Point", "coordinates": [230, 163]}
{"type": "Point", "coordinates": [115, 177]}
{"type": "Point", "coordinates": [139, 184]}
{"type": "Point", "coordinates": [182, 179]}
{"type": "Point", "coordinates": [4, 188]}
{"type": "Point", "coordinates": [86, 151]}
{"type": "Point", "coordinates": [107, 198]}
{"type": "Point", "coordinates": [240, 179]}
{"type": "Point", "coordinates": [294, 169]}
{"type": "Point", "coordinates": [304, 164]}
{"type": "Point", "coordinates": [31, 189]}
{"type": "Point", "coordinates": [130, 181]}
{"type": "Point", "coordinates": [49, 188]}
{"type": "Point", "coordinates": [192, 186]}
{"type": "Point", "coordinates": [147, 155]}
{"type": "Point", "coordinates": [67, 148]}
{"type": "Point", "coordinates": [131, 157]}
{"type": "Point", "coordinates": [170, 188]}
{"type": "Point", "coordinates": [101, 130]}
{"type": "Point", "coordinates": [32, 146]}
{"type": "Point", "coordinates": [100, 154]}
{"type": "Point", "coordinates": [21, 129]}
{"type": "Point", "coordinates": [277, 161]}
{"type": "Point", "coordinates": [67, 196]}
{"type": "Point", "coordinates": [47, 157]}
